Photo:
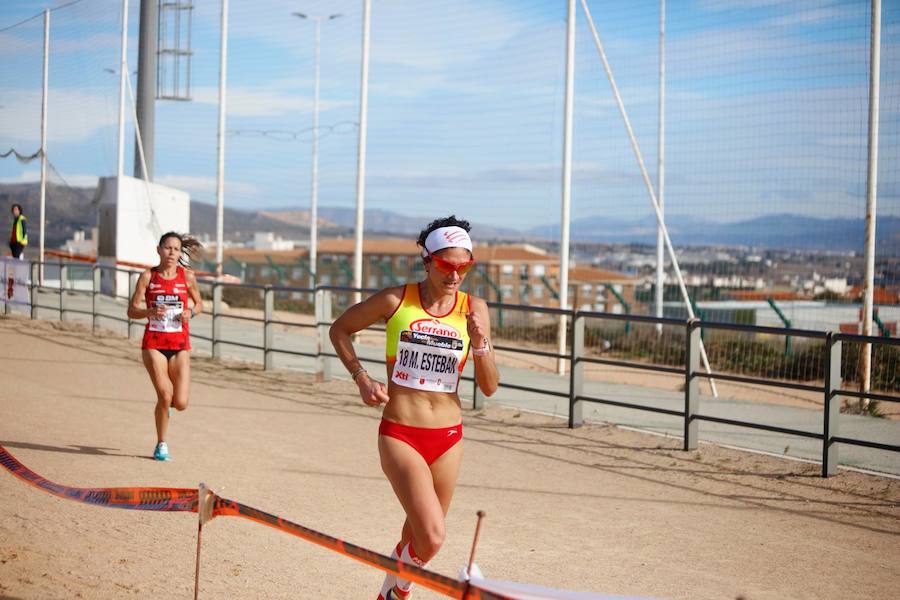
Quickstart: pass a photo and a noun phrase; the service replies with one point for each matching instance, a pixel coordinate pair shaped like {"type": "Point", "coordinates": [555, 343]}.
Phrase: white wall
{"type": "Point", "coordinates": [132, 219]}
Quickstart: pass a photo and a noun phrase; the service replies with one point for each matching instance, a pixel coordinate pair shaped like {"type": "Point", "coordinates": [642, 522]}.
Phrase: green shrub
{"type": "Point", "coordinates": [240, 297]}
{"type": "Point", "coordinates": [760, 356]}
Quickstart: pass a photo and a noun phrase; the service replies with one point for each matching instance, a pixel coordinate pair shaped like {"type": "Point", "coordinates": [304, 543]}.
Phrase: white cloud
{"type": "Point", "coordinates": [32, 46]}
{"type": "Point", "coordinates": [197, 186]}
{"type": "Point", "coordinates": [728, 5]}
{"type": "Point", "coordinates": [15, 45]}
{"type": "Point", "coordinates": [205, 186]}
{"type": "Point", "coordinates": [415, 47]}
{"type": "Point", "coordinates": [438, 35]}
{"type": "Point", "coordinates": [35, 177]}
{"type": "Point", "coordinates": [500, 176]}
{"type": "Point", "coordinates": [23, 177]}
{"type": "Point", "coordinates": [108, 39]}
{"type": "Point", "coordinates": [271, 101]}
{"type": "Point", "coordinates": [811, 17]}
{"type": "Point", "coordinates": [413, 87]}
{"type": "Point", "coordinates": [73, 115]}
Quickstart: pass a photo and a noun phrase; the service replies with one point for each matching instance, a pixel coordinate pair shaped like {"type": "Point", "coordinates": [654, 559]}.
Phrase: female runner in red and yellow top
{"type": "Point", "coordinates": [165, 291]}
{"type": "Point", "coordinates": [431, 326]}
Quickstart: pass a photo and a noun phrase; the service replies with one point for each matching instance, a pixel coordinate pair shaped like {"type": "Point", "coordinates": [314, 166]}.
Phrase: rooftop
{"type": "Point", "coordinates": [392, 247]}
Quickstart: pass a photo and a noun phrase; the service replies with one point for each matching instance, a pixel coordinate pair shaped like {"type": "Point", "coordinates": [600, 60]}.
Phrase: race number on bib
{"type": "Point", "coordinates": [426, 361]}
{"type": "Point", "coordinates": [171, 321]}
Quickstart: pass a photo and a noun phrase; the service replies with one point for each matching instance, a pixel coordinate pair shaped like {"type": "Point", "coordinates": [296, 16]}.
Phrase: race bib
{"type": "Point", "coordinates": [427, 361]}
{"type": "Point", "coordinates": [171, 321]}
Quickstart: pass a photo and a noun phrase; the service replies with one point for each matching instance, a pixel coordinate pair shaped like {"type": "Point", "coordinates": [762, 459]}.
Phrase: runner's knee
{"type": "Point", "coordinates": [165, 398]}
{"type": "Point", "coordinates": [431, 540]}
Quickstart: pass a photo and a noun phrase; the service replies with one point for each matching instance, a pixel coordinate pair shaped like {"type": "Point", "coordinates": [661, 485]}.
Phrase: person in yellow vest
{"type": "Point", "coordinates": [432, 328]}
{"type": "Point", "coordinates": [18, 237]}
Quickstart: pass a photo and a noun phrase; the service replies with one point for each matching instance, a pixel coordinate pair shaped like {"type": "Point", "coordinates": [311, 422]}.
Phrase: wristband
{"type": "Point", "coordinates": [484, 350]}
{"type": "Point", "coordinates": [356, 373]}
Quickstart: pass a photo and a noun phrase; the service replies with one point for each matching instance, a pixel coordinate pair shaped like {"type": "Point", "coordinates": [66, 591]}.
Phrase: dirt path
{"type": "Point", "coordinates": [596, 508]}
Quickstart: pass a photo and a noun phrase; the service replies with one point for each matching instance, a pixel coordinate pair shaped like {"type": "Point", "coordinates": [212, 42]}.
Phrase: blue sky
{"type": "Point", "coordinates": [766, 108]}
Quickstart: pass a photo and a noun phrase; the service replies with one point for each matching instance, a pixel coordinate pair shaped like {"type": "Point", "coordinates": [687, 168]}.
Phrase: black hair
{"type": "Point", "coordinates": [190, 246]}
{"type": "Point", "coordinates": [450, 221]}
{"type": "Point", "coordinates": [17, 205]}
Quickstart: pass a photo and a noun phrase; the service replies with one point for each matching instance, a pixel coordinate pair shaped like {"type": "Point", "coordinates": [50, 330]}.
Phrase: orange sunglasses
{"type": "Point", "coordinates": [446, 267]}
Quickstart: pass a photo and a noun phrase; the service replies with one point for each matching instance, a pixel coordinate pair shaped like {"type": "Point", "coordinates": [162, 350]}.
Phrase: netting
{"type": "Point", "coordinates": [887, 248]}
{"type": "Point", "coordinates": [21, 46]}
{"type": "Point", "coordinates": [766, 145]}
{"type": "Point", "coordinates": [82, 112]}
{"type": "Point", "coordinates": [766, 105]}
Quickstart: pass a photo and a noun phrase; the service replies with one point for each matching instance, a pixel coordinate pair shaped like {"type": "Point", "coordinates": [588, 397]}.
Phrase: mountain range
{"type": "Point", "coordinates": [787, 231]}
{"type": "Point", "coordinates": [70, 209]}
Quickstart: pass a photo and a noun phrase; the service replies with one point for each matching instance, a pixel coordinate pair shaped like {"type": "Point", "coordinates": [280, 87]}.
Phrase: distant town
{"type": "Point", "coordinates": [805, 287]}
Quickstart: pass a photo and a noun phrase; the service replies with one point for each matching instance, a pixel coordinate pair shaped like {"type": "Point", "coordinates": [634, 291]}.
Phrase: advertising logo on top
{"type": "Point", "coordinates": [434, 327]}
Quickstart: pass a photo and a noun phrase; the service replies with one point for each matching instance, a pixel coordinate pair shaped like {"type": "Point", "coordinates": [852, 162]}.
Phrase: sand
{"type": "Point", "coordinates": [597, 508]}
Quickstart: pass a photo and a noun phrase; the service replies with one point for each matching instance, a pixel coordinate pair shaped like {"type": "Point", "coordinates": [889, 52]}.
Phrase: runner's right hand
{"type": "Point", "coordinates": [372, 392]}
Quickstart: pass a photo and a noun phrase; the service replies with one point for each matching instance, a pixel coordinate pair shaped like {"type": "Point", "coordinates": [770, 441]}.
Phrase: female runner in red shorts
{"type": "Point", "coordinates": [165, 291]}
{"type": "Point", "coordinates": [431, 326]}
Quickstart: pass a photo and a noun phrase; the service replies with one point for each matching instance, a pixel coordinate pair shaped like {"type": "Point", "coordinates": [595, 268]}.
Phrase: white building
{"type": "Point", "coordinates": [266, 240]}
{"type": "Point", "coordinates": [80, 245]}
{"type": "Point", "coordinates": [803, 314]}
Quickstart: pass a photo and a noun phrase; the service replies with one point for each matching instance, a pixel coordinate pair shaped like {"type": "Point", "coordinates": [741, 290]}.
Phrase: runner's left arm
{"type": "Point", "coordinates": [194, 293]}
{"type": "Point", "coordinates": [478, 324]}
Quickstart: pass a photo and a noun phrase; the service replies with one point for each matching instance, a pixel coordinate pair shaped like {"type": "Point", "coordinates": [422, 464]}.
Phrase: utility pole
{"type": "Point", "coordinates": [361, 150]}
{"type": "Point", "coordinates": [45, 94]}
{"type": "Point", "coordinates": [865, 368]}
{"type": "Point", "coordinates": [565, 202]}
{"type": "Point", "coordinates": [314, 191]}
{"type": "Point", "coordinates": [661, 169]}
{"type": "Point", "coordinates": [220, 147]}
{"type": "Point", "coordinates": [146, 87]}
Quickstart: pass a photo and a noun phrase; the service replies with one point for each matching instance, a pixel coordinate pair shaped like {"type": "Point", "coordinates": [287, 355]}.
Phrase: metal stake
{"type": "Point", "coordinates": [480, 515]}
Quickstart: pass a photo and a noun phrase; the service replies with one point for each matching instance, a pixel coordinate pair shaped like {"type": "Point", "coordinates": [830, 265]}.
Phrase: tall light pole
{"type": "Point", "coordinates": [566, 201]}
{"type": "Point", "coordinates": [44, 98]}
{"type": "Point", "coordinates": [361, 151]}
{"type": "Point", "coordinates": [314, 192]}
{"type": "Point", "coordinates": [661, 169]}
{"type": "Point", "coordinates": [871, 199]}
{"type": "Point", "coordinates": [220, 139]}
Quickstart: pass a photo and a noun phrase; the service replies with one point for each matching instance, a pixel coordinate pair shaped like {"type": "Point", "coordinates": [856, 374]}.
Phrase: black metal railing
{"type": "Point", "coordinates": [105, 279]}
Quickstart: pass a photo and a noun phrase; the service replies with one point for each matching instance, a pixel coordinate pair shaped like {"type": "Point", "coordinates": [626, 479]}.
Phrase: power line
{"type": "Point", "coordinates": [286, 135]}
{"type": "Point", "coordinates": [35, 16]}
{"type": "Point", "coordinates": [22, 158]}
{"type": "Point", "coordinates": [66, 5]}
{"type": "Point", "coordinates": [22, 22]}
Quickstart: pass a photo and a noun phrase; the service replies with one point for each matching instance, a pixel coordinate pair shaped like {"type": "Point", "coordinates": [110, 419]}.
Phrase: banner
{"type": "Point", "coordinates": [16, 276]}
{"type": "Point", "coordinates": [209, 505]}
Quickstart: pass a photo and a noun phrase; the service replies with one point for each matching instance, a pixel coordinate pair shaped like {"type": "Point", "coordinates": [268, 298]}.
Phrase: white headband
{"type": "Point", "coordinates": [447, 237]}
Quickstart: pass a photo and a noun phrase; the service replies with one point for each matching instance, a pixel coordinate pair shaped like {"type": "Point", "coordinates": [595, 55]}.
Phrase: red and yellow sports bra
{"type": "Point", "coordinates": [425, 351]}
